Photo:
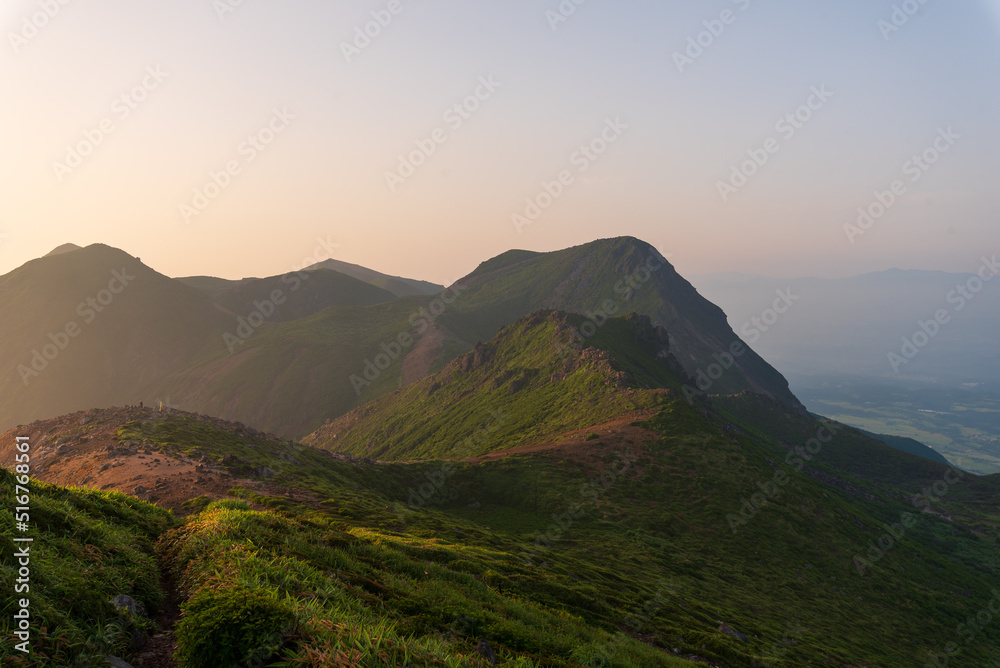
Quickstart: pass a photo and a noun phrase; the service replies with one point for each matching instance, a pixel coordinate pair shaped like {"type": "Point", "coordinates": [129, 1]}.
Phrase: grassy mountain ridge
{"type": "Point", "coordinates": [606, 278]}
{"type": "Point", "coordinates": [798, 503]}
{"type": "Point", "coordinates": [398, 286]}
{"type": "Point", "coordinates": [908, 445]}
{"type": "Point", "coordinates": [235, 358]}
{"type": "Point", "coordinates": [301, 294]}
{"type": "Point", "coordinates": [534, 367]}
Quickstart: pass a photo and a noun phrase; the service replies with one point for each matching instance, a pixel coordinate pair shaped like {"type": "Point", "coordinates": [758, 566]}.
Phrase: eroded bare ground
{"type": "Point", "coordinates": [426, 351]}
{"type": "Point", "coordinates": [82, 449]}
{"type": "Point", "coordinates": [590, 446]}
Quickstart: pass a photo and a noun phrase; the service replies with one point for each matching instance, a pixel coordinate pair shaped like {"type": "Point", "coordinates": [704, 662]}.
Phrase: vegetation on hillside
{"type": "Point", "coordinates": [88, 547]}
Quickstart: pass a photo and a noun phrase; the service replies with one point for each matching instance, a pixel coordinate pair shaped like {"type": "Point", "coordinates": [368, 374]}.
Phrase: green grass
{"type": "Point", "coordinates": [651, 552]}
{"type": "Point", "coordinates": [533, 381]}
{"type": "Point", "coordinates": [306, 589]}
{"type": "Point", "coordinates": [89, 546]}
{"type": "Point", "coordinates": [646, 563]}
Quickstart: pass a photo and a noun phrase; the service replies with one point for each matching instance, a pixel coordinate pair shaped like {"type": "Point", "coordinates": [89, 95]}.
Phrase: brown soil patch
{"type": "Point", "coordinates": [81, 449]}
{"type": "Point", "coordinates": [618, 435]}
{"type": "Point", "coordinates": [426, 351]}
{"type": "Point", "coordinates": [158, 650]}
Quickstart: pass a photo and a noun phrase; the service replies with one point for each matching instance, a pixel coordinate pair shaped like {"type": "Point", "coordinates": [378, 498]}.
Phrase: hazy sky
{"type": "Point", "coordinates": [81, 163]}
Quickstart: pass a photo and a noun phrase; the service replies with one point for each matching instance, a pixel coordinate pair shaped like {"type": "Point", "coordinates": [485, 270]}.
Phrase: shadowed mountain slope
{"type": "Point", "coordinates": [95, 326]}
{"type": "Point", "coordinates": [605, 278]}
{"type": "Point", "coordinates": [230, 350]}
{"type": "Point", "coordinates": [401, 287]}
{"type": "Point", "coordinates": [296, 295]}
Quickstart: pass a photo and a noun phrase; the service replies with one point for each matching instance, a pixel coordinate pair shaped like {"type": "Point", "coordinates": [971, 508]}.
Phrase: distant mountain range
{"type": "Point", "coordinates": [95, 327]}
{"type": "Point", "coordinates": [851, 326]}
{"type": "Point", "coordinates": [400, 287]}
{"type": "Point", "coordinates": [394, 285]}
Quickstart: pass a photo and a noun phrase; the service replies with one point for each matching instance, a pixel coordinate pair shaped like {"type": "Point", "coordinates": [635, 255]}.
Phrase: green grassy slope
{"type": "Point", "coordinates": [615, 556]}
{"type": "Point", "coordinates": [910, 445]}
{"type": "Point", "coordinates": [534, 379]}
{"type": "Point", "coordinates": [88, 547]}
{"type": "Point", "coordinates": [613, 277]}
{"type": "Point", "coordinates": [767, 518]}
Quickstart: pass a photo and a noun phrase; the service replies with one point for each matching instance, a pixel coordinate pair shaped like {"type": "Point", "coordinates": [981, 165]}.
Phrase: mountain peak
{"type": "Point", "coordinates": [65, 248]}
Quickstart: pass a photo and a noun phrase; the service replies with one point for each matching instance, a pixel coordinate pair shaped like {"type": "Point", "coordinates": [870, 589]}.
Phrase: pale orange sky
{"type": "Point", "coordinates": [220, 79]}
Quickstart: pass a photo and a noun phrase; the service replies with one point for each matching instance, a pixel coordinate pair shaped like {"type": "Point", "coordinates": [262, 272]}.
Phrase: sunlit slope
{"type": "Point", "coordinates": [538, 377]}
{"type": "Point", "coordinates": [610, 277]}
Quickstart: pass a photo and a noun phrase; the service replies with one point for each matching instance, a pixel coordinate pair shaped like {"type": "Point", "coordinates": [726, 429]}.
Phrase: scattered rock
{"type": "Point", "coordinates": [485, 651]}
{"type": "Point", "coordinates": [730, 631]}
{"type": "Point", "coordinates": [139, 489]}
{"type": "Point", "coordinates": [116, 662]}
{"type": "Point", "coordinates": [63, 449]}
{"type": "Point", "coordinates": [129, 604]}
